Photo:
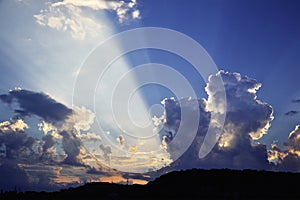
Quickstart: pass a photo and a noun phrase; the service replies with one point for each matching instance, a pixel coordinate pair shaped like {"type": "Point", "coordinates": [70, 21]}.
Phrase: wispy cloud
{"type": "Point", "coordinates": [291, 113]}
{"type": "Point", "coordinates": [296, 101]}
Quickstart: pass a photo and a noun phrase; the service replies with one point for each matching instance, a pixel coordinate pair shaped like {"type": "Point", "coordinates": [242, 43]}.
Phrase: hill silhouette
{"type": "Point", "coordinates": [189, 184]}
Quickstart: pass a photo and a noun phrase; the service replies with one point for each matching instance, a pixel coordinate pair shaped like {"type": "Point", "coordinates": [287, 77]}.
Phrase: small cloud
{"type": "Point", "coordinates": [296, 101]}
{"type": "Point", "coordinates": [121, 141]}
{"type": "Point", "coordinates": [136, 14]}
{"type": "Point", "coordinates": [291, 113]}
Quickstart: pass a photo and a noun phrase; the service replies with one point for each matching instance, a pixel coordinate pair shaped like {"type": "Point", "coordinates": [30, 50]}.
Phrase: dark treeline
{"type": "Point", "coordinates": [189, 184]}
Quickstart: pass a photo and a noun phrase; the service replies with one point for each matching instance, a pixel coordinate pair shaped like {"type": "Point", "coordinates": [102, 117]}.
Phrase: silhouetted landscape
{"type": "Point", "coordinates": [189, 184]}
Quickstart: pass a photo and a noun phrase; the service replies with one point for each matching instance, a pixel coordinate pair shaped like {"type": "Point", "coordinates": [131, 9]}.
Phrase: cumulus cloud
{"type": "Point", "coordinates": [16, 141]}
{"type": "Point", "coordinates": [247, 119]}
{"type": "Point", "coordinates": [69, 15]}
{"type": "Point", "coordinates": [73, 147]}
{"type": "Point", "coordinates": [51, 159]}
{"type": "Point", "coordinates": [58, 122]}
{"type": "Point", "coordinates": [245, 113]}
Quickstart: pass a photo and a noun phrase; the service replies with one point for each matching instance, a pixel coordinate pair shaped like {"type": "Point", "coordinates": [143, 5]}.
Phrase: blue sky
{"type": "Point", "coordinates": [259, 39]}
{"type": "Point", "coordinates": [46, 46]}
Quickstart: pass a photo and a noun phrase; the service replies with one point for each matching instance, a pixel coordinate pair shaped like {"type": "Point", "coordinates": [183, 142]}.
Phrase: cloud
{"type": "Point", "coordinates": [136, 14]}
{"type": "Point", "coordinates": [245, 113]}
{"type": "Point", "coordinates": [90, 137]}
{"type": "Point", "coordinates": [57, 157]}
{"type": "Point", "coordinates": [17, 125]}
{"type": "Point", "coordinates": [73, 147]}
{"type": "Point", "coordinates": [296, 101]}
{"type": "Point", "coordinates": [294, 140]}
{"type": "Point", "coordinates": [82, 118]}
{"type": "Point", "coordinates": [15, 140]}
{"type": "Point", "coordinates": [39, 104]}
{"type": "Point", "coordinates": [69, 18]}
{"type": "Point", "coordinates": [106, 149]}
{"type": "Point", "coordinates": [70, 15]}
{"type": "Point", "coordinates": [121, 141]}
{"type": "Point", "coordinates": [291, 113]}
{"type": "Point", "coordinates": [57, 120]}
{"type": "Point", "coordinates": [247, 119]}
{"type": "Point", "coordinates": [289, 158]}
{"type": "Point", "coordinates": [12, 176]}
{"type": "Point", "coordinates": [49, 143]}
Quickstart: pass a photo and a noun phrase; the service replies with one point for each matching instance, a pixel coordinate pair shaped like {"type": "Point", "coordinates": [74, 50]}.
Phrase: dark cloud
{"type": "Point", "coordinates": [291, 113]}
{"type": "Point", "coordinates": [49, 142]}
{"type": "Point", "coordinates": [247, 120]}
{"type": "Point", "coordinates": [12, 176]}
{"type": "Point", "coordinates": [287, 159]}
{"type": "Point", "coordinates": [296, 101]}
{"type": "Point", "coordinates": [39, 104]}
{"type": "Point", "coordinates": [294, 140]}
{"type": "Point", "coordinates": [16, 141]}
{"type": "Point", "coordinates": [55, 159]}
{"type": "Point", "coordinates": [50, 111]}
{"type": "Point", "coordinates": [72, 147]}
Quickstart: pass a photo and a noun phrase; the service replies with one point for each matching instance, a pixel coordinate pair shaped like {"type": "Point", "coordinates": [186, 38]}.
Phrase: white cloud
{"type": "Point", "coordinates": [46, 127]}
{"type": "Point", "coordinates": [136, 14]}
{"type": "Point", "coordinates": [69, 18]}
{"type": "Point", "coordinates": [15, 126]}
{"type": "Point", "coordinates": [82, 118]}
{"type": "Point", "coordinates": [90, 137]}
{"type": "Point", "coordinates": [69, 15]}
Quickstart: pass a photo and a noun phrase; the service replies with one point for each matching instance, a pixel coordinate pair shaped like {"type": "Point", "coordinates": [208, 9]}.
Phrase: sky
{"type": "Point", "coordinates": [95, 90]}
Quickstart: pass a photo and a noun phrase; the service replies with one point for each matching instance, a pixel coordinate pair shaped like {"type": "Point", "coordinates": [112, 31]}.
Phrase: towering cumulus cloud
{"type": "Point", "coordinates": [247, 119]}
